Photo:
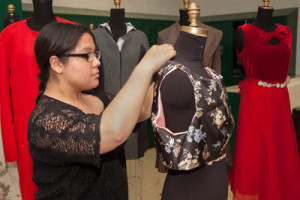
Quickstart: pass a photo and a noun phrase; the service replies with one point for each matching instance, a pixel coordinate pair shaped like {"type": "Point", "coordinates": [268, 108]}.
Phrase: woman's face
{"type": "Point", "coordinates": [78, 72]}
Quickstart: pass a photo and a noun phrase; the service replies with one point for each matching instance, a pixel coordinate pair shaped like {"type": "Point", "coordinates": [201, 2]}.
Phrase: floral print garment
{"type": "Point", "coordinates": [209, 132]}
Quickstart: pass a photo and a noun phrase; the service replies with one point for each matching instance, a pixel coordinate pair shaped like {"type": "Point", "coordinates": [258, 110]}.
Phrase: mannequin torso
{"type": "Point", "coordinates": [264, 22]}
{"type": "Point", "coordinates": [9, 20]}
{"type": "Point", "coordinates": [178, 100]}
{"type": "Point", "coordinates": [117, 23]}
{"type": "Point", "coordinates": [177, 92]}
{"type": "Point", "coordinates": [42, 14]}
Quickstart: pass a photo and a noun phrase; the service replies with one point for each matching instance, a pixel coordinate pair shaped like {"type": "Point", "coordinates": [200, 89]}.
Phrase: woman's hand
{"type": "Point", "coordinates": [158, 55]}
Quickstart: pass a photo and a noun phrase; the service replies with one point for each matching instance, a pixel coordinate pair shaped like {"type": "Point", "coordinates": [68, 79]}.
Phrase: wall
{"type": "Point", "coordinates": [168, 9]}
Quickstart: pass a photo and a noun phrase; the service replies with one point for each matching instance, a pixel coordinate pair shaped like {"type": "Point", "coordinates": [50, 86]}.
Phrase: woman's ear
{"type": "Point", "coordinates": [56, 64]}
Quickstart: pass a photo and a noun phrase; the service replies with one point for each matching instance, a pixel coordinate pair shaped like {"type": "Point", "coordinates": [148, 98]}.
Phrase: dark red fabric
{"type": "Point", "coordinates": [266, 164]}
{"type": "Point", "coordinates": [18, 91]}
{"type": "Point", "coordinates": [262, 60]}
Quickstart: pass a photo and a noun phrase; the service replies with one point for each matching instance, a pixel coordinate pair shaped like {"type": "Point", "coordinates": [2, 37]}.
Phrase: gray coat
{"type": "Point", "coordinates": [117, 67]}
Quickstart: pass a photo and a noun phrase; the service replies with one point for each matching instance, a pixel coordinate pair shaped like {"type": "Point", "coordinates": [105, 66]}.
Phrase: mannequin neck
{"type": "Point", "coordinates": [117, 23]}
{"type": "Point", "coordinates": [42, 10]}
{"type": "Point", "coordinates": [190, 50]}
{"type": "Point", "coordinates": [117, 17]}
{"type": "Point", "coordinates": [184, 18]}
{"type": "Point", "coordinates": [42, 14]}
{"type": "Point", "coordinates": [264, 20]}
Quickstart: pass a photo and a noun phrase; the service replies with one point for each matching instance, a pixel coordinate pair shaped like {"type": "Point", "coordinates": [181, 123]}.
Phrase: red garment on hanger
{"type": "Point", "coordinates": [266, 164]}
{"type": "Point", "coordinates": [18, 91]}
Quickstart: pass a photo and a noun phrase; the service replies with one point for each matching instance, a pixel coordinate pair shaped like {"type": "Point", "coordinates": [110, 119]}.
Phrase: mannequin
{"type": "Point", "coordinates": [179, 101]}
{"type": "Point", "coordinates": [178, 98]}
{"type": "Point", "coordinates": [212, 56]}
{"type": "Point", "coordinates": [263, 21]}
{"type": "Point", "coordinates": [177, 95]}
{"type": "Point", "coordinates": [19, 89]}
{"type": "Point", "coordinates": [117, 21]}
{"type": "Point", "coordinates": [42, 14]}
{"type": "Point", "coordinates": [10, 18]}
{"type": "Point", "coordinates": [184, 17]}
{"type": "Point", "coordinates": [123, 46]}
{"type": "Point", "coordinates": [264, 95]}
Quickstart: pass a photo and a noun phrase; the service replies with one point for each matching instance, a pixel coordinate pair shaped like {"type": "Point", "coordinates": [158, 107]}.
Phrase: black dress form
{"type": "Point", "coordinates": [9, 20]}
{"type": "Point", "coordinates": [184, 17]}
{"type": "Point", "coordinates": [117, 23]}
{"type": "Point", "coordinates": [42, 14]}
{"type": "Point", "coordinates": [177, 94]}
{"type": "Point", "coordinates": [262, 21]}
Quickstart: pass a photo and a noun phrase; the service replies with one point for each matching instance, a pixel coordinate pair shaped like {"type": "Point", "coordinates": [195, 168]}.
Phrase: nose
{"type": "Point", "coordinates": [96, 62]}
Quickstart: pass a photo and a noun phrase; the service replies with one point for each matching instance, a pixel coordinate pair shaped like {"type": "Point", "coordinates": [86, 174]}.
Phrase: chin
{"type": "Point", "coordinates": [96, 84]}
{"type": "Point", "coordinates": [90, 87]}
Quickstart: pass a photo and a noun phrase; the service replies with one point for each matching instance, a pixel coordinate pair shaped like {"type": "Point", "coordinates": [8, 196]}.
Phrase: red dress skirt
{"type": "Point", "coordinates": [266, 162]}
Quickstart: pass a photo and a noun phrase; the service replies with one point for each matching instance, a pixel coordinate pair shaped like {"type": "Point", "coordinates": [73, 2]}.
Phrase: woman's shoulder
{"type": "Point", "coordinates": [105, 97]}
{"type": "Point", "coordinates": [95, 103]}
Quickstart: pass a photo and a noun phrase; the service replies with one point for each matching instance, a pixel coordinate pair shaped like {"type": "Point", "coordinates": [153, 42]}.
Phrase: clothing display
{"type": "Point", "coordinates": [118, 60]}
{"type": "Point", "coordinates": [18, 91]}
{"type": "Point", "coordinates": [212, 56]}
{"type": "Point", "coordinates": [209, 132]}
{"type": "Point", "coordinates": [87, 174]}
{"type": "Point", "coordinates": [266, 161]}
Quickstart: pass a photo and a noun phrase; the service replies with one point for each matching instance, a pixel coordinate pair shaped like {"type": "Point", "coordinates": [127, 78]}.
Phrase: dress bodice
{"type": "Point", "coordinates": [210, 129]}
{"type": "Point", "coordinates": [262, 60]}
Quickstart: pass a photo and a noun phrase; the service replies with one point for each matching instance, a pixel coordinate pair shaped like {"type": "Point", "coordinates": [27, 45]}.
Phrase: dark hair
{"type": "Point", "coordinates": [55, 39]}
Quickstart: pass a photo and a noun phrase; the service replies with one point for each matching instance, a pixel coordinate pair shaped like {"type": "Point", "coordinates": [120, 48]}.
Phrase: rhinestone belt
{"type": "Point", "coordinates": [269, 85]}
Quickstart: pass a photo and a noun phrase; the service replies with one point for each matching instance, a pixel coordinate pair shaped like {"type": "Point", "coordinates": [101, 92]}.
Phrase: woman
{"type": "Point", "coordinates": [69, 129]}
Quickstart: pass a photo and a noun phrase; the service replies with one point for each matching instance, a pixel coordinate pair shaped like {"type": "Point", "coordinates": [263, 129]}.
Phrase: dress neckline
{"type": "Point", "coordinates": [33, 31]}
{"type": "Point", "coordinates": [213, 74]}
{"type": "Point", "coordinates": [276, 29]}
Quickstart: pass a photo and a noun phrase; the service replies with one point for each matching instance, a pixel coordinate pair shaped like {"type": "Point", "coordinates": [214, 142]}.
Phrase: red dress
{"type": "Point", "coordinates": [18, 91]}
{"type": "Point", "coordinates": [266, 162]}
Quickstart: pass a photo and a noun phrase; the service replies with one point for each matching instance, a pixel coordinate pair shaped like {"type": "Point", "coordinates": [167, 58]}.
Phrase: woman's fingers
{"type": "Point", "coordinates": [159, 55]}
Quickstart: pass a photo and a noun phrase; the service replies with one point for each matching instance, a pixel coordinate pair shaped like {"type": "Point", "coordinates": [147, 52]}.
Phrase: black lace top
{"type": "Point", "coordinates": [64, 144]}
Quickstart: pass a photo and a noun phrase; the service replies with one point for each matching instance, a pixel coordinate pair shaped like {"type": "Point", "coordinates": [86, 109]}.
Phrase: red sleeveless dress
{"type": "Point", "coordinates": [266, 163]}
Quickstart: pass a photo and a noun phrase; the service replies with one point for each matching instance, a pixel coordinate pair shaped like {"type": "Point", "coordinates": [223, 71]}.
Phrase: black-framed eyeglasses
{"type": "Point", "coordinates": [88, 56]}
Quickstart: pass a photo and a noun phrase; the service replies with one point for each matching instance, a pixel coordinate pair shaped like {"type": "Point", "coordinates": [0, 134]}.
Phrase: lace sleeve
{"type": "Point", "coordinates": [64, 131]}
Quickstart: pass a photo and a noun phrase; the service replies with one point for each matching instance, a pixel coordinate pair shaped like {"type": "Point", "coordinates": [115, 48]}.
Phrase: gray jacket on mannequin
{"type": "Point", "coordinates": [117, 64]}
{"type": "Point", "coordinates": [119, 60]}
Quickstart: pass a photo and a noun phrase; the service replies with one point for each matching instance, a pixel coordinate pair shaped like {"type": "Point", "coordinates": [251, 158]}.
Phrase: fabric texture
{"type": "Point", "coordinates": [119, 60]}
{"type": "Point", "coordinates": [266, 162]}
{"type": "Point", "coordinates": [212, 56]}
{"type": "Point", "coordinates": [64, 143]}
{"type": "Point", "coordinates": [211, 127]}
{"type": "Point", "coordinates": [18, 91]}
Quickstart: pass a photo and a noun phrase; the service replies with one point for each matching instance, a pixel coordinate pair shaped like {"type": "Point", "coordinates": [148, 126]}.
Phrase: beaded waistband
{"type": "Point", "coordinates": [269, 85]}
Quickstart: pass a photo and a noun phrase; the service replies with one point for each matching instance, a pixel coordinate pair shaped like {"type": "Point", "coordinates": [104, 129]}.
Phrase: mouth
{"type": "Point", "coordinates": [96, 74]}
